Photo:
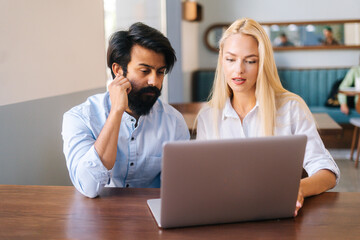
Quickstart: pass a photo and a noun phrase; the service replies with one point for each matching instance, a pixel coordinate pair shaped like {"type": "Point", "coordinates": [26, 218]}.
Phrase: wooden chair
{"type": "Point", "coordinates": [356, 138]}
{"type": "Point", "coordinates": [189, 112]}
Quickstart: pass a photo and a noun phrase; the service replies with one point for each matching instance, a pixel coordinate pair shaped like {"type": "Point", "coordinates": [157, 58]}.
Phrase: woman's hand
{"type": "Point", "coordinates": [299, 202]}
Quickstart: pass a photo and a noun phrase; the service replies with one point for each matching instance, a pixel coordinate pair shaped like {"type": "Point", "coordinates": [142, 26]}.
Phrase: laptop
{"type": "Point", "coordinates": [225, 181]}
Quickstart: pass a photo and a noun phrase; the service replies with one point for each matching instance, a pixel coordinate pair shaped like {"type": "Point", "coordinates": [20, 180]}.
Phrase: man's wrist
{"type": "Point", "coordinates": [116, 114]}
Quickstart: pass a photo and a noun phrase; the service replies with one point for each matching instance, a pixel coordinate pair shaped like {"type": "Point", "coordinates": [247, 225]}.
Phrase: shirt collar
{"type": "Point", "coordinates": [229, 111]}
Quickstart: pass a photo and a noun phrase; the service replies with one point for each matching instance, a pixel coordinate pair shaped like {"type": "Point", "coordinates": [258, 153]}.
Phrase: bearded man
{"type": "Point", "coordinates": [115, 139]}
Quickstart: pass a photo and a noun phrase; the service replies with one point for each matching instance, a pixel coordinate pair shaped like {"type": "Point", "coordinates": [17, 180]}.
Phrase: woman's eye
{"type": "Point", "coordinates": [230, 59]}
{"type": "Point", "coordinates": [251, 62]}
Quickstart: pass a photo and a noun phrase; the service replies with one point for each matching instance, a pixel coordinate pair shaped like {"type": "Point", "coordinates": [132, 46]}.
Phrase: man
{"type": "Point", "coordinates": [284, 41]}
{"type": "Point", "coordinates": [116, 138]}
{"type": "Point", "coordinates": [329, 39]}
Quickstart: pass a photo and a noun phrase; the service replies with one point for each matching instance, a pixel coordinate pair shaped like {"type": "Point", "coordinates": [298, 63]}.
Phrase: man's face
{"type": "Point", "coordinates": [327, 33]}
{"type": "Point", "coordinates": [146, 72]}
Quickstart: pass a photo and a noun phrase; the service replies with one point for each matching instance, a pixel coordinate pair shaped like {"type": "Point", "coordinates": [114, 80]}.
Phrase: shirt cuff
{"type": "Point", "coordinates": [93, 165]}
{"type": "Point", "coordinates": [324, 165]}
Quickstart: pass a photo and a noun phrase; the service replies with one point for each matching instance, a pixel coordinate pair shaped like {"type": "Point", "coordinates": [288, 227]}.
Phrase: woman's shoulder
{"type": "Point", "coordinates": [207, 111]}
{"type": "Point", "coordinates": [291, 102]}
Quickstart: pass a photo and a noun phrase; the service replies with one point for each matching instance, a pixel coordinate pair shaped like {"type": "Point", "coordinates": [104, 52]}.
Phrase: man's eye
{"type": "Point", "coordinates": [144, 70]}
{"type": "Point", "coordinates": [230, 60]}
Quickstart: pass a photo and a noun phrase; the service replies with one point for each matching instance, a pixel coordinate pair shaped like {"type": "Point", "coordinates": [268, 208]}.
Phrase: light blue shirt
{"type": "Point", "coordinates": [139, 149]}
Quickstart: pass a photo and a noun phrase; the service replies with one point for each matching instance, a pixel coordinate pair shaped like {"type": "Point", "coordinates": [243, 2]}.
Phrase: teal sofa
{"type": "Point", "coordinates": [313, 85]}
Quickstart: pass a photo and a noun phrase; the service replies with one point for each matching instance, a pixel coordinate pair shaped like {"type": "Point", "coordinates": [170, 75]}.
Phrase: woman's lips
{"type": "Point", "coordinates": [238, 81]}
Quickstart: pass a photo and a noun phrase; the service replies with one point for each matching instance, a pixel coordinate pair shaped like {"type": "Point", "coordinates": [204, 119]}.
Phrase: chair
{"type": "Point", "coordinates": [189, 112]}
{"type": "Point", "coordinates": [356, 138]}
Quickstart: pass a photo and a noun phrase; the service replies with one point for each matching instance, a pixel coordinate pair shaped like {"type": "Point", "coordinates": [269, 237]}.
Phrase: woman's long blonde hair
{"type": "Point", "coordinates": [269, 91]}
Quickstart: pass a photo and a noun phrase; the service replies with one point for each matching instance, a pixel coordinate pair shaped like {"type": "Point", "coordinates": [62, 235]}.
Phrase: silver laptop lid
{"type": "Point", "coordinates": [221, 181]}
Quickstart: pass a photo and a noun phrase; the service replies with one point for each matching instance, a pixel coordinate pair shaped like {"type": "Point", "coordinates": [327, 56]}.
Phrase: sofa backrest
{"type": "Point", "coordinates": [313, 85]}
{"type": "Point", "coordinates": [202, 81]}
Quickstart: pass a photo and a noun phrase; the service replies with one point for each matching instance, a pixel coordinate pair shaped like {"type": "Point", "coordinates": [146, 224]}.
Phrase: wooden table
{"type": "Point", "coordinates": [55, 212]}
{"type": "Point", "coordinates": [325, 124]}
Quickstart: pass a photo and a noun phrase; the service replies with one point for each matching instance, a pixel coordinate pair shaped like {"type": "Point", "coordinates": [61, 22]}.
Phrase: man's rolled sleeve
{"type": "Point", "coordinates": [86, 170]}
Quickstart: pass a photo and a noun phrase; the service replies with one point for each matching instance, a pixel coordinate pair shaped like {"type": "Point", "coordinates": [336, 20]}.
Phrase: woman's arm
{"type": "Point", "coordinates": [319, 182]}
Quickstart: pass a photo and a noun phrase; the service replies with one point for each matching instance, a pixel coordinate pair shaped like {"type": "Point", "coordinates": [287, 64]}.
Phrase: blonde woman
{"type": "Point", "coordinates": [248, 100]}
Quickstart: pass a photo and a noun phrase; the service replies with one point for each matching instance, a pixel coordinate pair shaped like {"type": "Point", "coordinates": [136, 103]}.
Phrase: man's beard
{"type": "Point", "coordinates": [140, 103]}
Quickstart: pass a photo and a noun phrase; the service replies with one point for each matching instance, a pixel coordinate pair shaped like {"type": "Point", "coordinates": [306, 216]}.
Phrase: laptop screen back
{"type": "Point", "coordinates": [221, 181]}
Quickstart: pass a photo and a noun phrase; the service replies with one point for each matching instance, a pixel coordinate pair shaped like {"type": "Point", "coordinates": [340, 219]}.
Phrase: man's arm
{"type": "Point", "coordinates": [106, 143]}
{"type": "Point", "coordinates": [89, 159]}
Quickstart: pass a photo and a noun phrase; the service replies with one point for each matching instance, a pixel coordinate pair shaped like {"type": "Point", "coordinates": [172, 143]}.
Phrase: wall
{"type": "Point", "coordinates": [227, 11]}
{"type": "Point", "coordinates": [52, 56]}
{"type": "Point", "coordinates": [44, 54]}
{"type": "Point", "coordinates": [30, 140]}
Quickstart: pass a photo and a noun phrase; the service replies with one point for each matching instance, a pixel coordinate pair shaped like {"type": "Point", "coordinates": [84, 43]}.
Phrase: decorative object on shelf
{"type": "Point", "coordinates": [192, 11]}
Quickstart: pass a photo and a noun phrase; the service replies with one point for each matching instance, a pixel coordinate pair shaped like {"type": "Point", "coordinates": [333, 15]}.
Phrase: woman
{"type": "Point", "coordinates": [248, 100]}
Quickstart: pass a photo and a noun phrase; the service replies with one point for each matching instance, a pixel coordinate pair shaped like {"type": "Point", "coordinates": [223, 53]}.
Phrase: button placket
{"type": "Point", "coordinates": [132, 156]}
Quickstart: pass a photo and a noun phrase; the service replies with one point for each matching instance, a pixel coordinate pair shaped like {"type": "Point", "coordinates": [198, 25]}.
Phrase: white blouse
{"type": "Point", "coordinates": [292, 119]}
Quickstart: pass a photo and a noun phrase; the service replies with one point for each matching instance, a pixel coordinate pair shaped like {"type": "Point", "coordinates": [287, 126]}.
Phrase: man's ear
{"type": "Point", "coordinates": [116, 69]}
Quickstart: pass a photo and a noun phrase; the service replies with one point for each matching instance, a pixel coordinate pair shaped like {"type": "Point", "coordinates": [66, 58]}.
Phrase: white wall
{"type": "Point", "coordinates": [52, 56]}
{"type": "Point", "coordinates": [227, 11]}
{"type": "Point", "coordinates": [190, 48]}
{"type": "Point", "coordinates": [131, 11]}
{"type": "Point", "coordinates": [50, 47]}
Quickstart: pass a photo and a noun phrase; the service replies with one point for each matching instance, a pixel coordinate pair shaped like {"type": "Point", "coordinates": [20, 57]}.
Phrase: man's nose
{"type": "Point", "coordinates": [153, 79]}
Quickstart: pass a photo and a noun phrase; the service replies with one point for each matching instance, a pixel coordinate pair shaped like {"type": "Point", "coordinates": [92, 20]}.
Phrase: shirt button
{"type": "Point", "coordinates": [131, 164]}
{"type": "Point", "coordinates": [132, 138]}
{"type": "Point", "coordinates": [127, 185]}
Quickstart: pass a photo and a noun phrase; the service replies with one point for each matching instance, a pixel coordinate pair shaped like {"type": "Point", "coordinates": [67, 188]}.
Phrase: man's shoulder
{"type": "Point", "coordinates": [166, 109]}
{"type": "Point", "coordinates": [93, 105]}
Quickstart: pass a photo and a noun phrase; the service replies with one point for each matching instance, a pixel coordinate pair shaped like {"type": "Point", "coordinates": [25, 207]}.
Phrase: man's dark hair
{"type": "Point", "coordinates": [121, 43]}
{"type": "Point", "coordinates": [328, 28]}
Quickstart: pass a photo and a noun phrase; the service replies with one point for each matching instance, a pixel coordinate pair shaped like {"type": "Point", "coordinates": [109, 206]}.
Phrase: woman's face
{"type": "Point", "coordinates": [240, 63]}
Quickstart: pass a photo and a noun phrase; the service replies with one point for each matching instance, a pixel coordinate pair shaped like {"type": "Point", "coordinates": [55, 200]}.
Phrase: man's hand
{"type": "Point", "coordinates": [119, 89]}
{"type": "Point", "coordinates": [299, 202]}
{"type": "Point", "coordinates": [344, 108]}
